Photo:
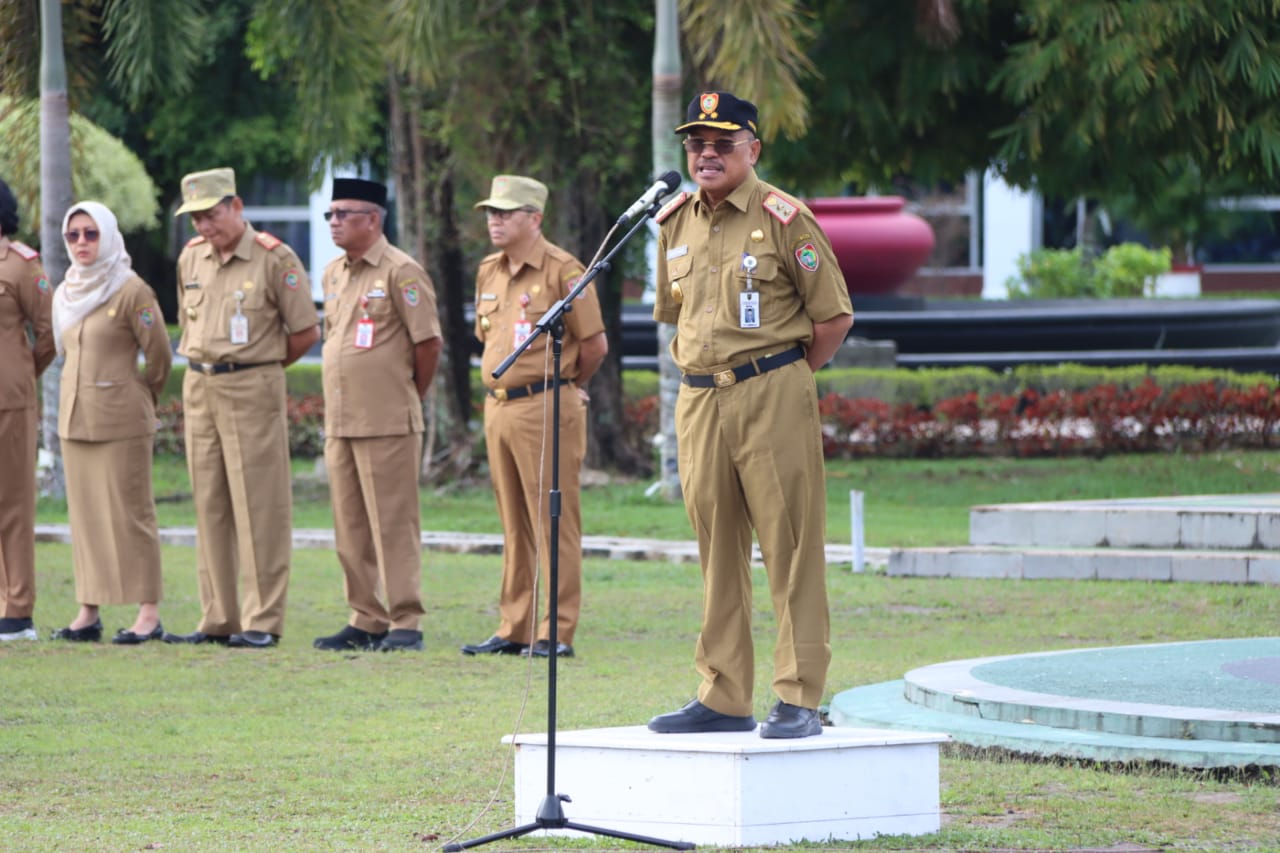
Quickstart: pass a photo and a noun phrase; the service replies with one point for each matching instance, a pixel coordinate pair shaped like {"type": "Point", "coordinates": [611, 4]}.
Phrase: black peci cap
{"type": "Point", "coordinates": [358, 189]}
{"type": "Point", "coordinates": [721, 110]}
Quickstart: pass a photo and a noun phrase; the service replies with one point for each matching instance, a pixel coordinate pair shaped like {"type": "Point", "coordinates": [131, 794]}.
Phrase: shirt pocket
{"type": "Point", "coordinates": [486, 311]}
{"type": "Point", "coordinates": [765, 280]}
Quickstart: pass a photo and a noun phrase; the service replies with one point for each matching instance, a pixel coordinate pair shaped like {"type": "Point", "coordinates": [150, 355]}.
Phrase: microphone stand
{"type": "Point", "coordinates": [550, 814]}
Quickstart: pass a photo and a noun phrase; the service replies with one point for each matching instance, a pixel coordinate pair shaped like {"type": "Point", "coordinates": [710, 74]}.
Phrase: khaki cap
{"type": "Point", "coordinates": [511, 192]}
{"type": "Point", "coordinates": [202, 190]}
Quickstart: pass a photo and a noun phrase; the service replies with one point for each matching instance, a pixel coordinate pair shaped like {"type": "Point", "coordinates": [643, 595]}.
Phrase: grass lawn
{"type": "Point", "coordinates": [167, 748]}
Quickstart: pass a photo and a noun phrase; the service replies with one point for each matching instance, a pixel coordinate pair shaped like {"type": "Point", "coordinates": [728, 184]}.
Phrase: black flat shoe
{"type": "Point", "coordinates": [696, 717]}
{"type": "Point", "coordinates": [128, 638]}
{"type": "Point", "coordinates": [787, 721]}
{"type": "Point", "coordinates": [253, 640]}
{"type": "Point", "coordinates": [495, 645]}
{"type": "Point", "coordinates": [401, 640]}
{"type": "Point", "coordinates": [196, 638]}
{"type": "Point", "coordinates": [542, 649]}
{"type": "Point", "coordinates": [87, 634]}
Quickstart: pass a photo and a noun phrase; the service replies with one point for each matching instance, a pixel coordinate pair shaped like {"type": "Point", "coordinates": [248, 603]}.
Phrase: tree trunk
{"type": "Point", "coordinates": [55, 198]}
{"type": "Point", "coordinates": [666, 115]}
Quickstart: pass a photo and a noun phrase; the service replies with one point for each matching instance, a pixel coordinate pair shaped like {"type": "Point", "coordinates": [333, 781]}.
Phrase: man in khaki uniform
{"type": "Point", "coordinates": [246, 313]}
{"type": "Point", "coordinates": [748, 278]}
{"type": "Point", "coordinates": [25, 305]}
{"type": "Point", "coordinates": [381, 347]}
{"type": "Point", "coordinates": [514, 288]}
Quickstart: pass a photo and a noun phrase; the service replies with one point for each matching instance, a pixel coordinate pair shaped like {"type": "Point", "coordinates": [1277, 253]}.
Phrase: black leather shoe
{"type": "Point", "coordinates": [696, 717]}
{"type": "Point", "coordinates": [401, 640]}
{"type": "Point", "coordinates": [196, 638]}
{"type": "Point", "coordinates": [253, 640]}
{"type": "Point", "coordinates": [495, 645]}
{"type": "Point", "coordinates": [542, 649]}
{"type": "Point", "coordinates": [350, 639]}
{"type": "Point", "coordinates": [87, 634]}
{"type": "Point", "coordinates": [128, 638]}
{"type": "Point", "coordinates": [791, 721]}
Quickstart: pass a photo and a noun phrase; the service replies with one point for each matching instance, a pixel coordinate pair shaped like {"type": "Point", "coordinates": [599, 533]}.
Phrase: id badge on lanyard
{"type": "Point", "coordinates": [239, 332]}
{"type": "Point", "coordinates": [749, 299]}
{"type": "Point", "coordinates": [364, 326]}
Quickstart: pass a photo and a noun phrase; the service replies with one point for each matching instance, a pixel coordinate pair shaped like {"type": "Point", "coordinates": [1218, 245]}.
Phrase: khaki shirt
{"type": "Point", "coordinates": [276, 299]}
{"type": "Point", "coordinates": [369, 390]}
{"type": "Point", "coordinates": [503, 301]}
{"type": "Point", "coordinates": [26, 306]}
{"type": "Point", "coordinates": [104, 397]}
{"type": "Point", "coordinates": [701, 276]}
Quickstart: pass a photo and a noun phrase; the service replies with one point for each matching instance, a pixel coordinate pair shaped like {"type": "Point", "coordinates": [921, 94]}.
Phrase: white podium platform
{"type": "Point", "coordinates": [736, 788]}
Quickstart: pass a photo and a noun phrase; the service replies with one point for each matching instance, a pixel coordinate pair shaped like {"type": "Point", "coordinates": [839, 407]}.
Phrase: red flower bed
{"type": "Point", "coordinates": [1100, 420]}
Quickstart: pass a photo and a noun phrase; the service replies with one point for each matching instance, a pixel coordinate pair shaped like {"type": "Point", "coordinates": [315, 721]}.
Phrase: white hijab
{"type": "Point", "coordinates": [88, 287]}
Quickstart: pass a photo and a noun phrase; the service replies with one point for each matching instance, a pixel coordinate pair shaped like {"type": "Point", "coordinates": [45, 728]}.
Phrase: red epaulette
{"type": "Point", "coordinates": [195, 241]}
{"type": "Point", "coordinates": [782, 208]}
{"type": "Point", "coordinates": [24, 251]}
{"type": "Point", "coordinates": [267, 241]}
{"type": "Point", "coordinates": [669, 207]}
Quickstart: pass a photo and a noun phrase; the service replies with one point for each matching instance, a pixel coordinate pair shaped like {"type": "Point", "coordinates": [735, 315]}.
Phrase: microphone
{"type": "Point", "coordinates": [663, 186]}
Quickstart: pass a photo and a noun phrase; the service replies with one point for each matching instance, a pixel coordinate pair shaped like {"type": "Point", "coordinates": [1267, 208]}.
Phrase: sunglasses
{"type": "Point", "coordinates": [724, 146]}
{"type": "Point", "coordinates": [504, 215]}
{"type": "Point", "coordinates": [91, 235]}
{"type": "Point", "coordinates": [341, 213]}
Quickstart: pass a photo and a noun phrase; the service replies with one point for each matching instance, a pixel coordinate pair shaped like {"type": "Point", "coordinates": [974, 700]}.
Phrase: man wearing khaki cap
{"type": "Point", "coordinates": [245, 307]}
{"type": "Point", "coordinates": [514, 288]}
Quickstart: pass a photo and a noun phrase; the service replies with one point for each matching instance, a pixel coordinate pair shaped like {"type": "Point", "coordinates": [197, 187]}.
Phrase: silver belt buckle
{"type": "Point", "coordinates": [725, 378]}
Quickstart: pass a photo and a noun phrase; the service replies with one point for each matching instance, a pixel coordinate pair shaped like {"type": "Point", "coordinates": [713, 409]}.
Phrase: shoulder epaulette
{"type": "Point", "coordinates": [24, 251]}
{"type": "Point", "coordinates": [670, 206]}
{"type": "Point", "coordinates": [267, 241]}
{"type": "Point", "coordinates": [195, 241]}
{"type": "Point", "coordinates": [782, 208]}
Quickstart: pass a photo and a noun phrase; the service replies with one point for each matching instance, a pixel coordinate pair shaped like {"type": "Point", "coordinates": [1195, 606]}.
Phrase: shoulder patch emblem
{"type": "Point", "coordinates": [24, 251]}
{"type": "Point", "coordinates": [411, 295]}
{"type": "Point", "coordinates": [146, 317]}
{"type": "Point", "coordinates": [267, 241]}
{"type": "Point", "coordinates": [195, 241]}
{"type": "Point", "coordinates": [782, 210]}
{"type": "Point", "coordinates": [291, 279]}
{"type": "Point", "coordinates": [43, 284]}
{"type": "Point", "coordinates": [807, 256]}
{"type": "Point", "coordinates": [669, 207]}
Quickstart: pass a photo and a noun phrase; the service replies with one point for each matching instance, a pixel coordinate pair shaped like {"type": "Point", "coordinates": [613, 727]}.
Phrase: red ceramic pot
{"type": "Point", "coordinates": [879, 245]}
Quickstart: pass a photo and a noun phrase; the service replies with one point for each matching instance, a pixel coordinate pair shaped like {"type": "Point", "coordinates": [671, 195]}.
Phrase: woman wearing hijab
{"type": "Point", "coordinates": [103, 316]}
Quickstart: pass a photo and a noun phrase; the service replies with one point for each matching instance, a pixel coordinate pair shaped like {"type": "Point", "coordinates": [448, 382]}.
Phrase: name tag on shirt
{"type": "Point", "coordinates": [677, 252]}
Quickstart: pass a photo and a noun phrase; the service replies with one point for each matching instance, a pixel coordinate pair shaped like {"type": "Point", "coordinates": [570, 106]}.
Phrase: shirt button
{"type": "Point", "coordinates": [715, 269]}
{"type": "Point", "coordinates": [708, 309]}
{"type": "Point", "coordinates": [715, 228]}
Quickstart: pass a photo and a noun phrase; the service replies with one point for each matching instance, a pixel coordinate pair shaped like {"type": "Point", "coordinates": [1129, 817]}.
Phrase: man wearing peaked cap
{"type": "Point", "coordinates": [514, 288]}
{"type": "Point", "coordinates": [381, 347]}
{"type": "Point", "coordinates": [246, 313]}
{"type": "Point", "coordinates": [26, 349]}
{"type": "Point", "coordinates": [748, 278]}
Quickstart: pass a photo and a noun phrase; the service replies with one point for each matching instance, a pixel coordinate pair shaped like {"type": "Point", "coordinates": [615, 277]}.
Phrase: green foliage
{"type": "Point", "coordinates": [1125, 270]}
{"type": "Point", "coordinates": [1130, 269]}
{"type": "Point", "coordinates": [927, 387]}
{"type": "Point", "coordinates": [1110, 94]}
{"type": "Point", "coordinates": [103, 169]}
{"type": "Point", "coordinates": [154, 45]}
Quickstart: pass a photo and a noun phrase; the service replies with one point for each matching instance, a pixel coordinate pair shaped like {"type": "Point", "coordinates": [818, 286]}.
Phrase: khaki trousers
{"type": "Point", "coordinates": [238, 459]}
{"type": "Point", "coordinates": [18, 513]}
{"type": "Point", "coordinates": [373, 487]}
{"type": "Point", "coordinates": [514, 432]}
{"type": "Point", "coordinates": [751, 455]}
{"type": "Point", "coordinates": [115, 545]}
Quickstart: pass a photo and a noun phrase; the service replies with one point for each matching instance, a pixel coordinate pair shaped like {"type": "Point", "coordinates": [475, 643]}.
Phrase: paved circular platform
{"type": "Point", "coordinates": [1210, 703]}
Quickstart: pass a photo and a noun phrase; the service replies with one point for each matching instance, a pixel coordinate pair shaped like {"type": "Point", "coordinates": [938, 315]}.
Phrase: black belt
{"type": "Point", "coordinates": [501, 394]}
{"type": "Point", "coordinates": [224, 366]}
{"type": "Point", "coordinates": [725, 378]}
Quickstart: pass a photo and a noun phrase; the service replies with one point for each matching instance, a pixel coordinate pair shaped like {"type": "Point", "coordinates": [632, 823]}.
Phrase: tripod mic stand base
{"type": "Point", "coordinates": [551, 816]}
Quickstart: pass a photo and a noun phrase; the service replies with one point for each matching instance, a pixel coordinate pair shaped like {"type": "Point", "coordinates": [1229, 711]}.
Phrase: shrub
{"type": "Point", "coordinates": [1126, 270]}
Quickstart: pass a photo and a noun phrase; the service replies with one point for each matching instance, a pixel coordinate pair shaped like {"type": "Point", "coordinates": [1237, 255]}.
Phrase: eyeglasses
{"type": "Point", "coordinates": [504, 215]}
{"type": "Point", "coordinates": [91, 235]}
{"type": "Point", "coordinates": [724, 146]}
{"type": "Point", "coordinates": [341, 214]}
